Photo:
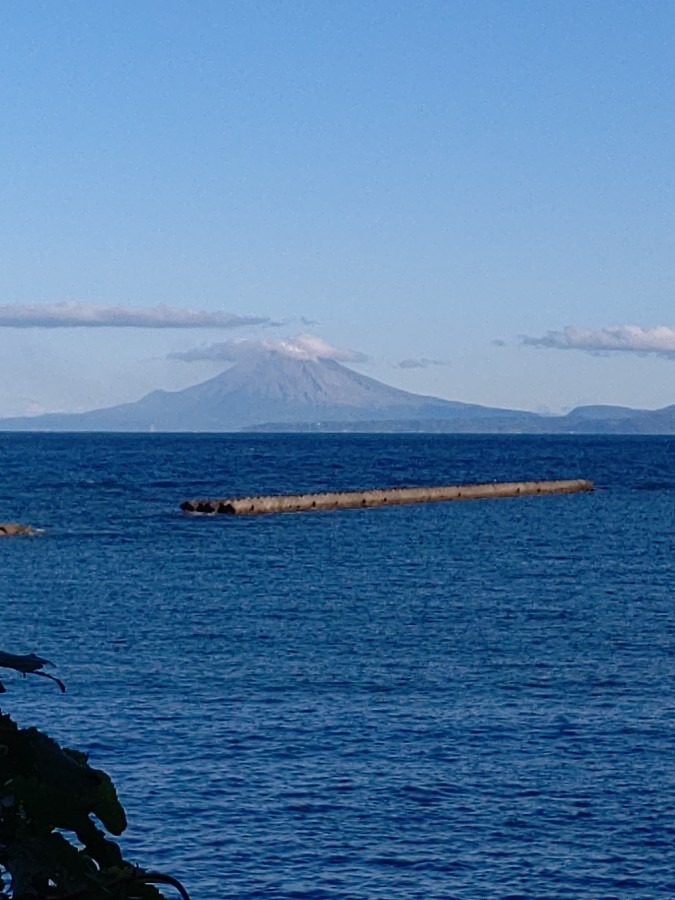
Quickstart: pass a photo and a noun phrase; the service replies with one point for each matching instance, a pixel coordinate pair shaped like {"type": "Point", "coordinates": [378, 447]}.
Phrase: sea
{"type": "Point", "coordinates": [469, 699]}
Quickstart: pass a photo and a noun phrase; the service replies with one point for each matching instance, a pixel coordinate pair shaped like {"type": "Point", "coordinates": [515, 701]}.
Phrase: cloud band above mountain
{"type": "Point", "coordinates": [618, 338]}
{"type": "Point", "coordinates": [89, 315]}
{"type": "Point", "coordinates": [304, 346]}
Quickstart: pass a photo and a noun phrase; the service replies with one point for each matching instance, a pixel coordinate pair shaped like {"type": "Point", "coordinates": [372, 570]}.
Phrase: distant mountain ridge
{"type": "Point", "coordinates": [275, 391]}
{"type": "Point", "coordinates": [260, 388]}
{"type": "Point", "coordinates": [641, 422]}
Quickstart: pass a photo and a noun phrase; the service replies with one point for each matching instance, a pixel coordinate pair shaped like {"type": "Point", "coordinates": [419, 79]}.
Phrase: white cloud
{"type": "Point", "coordinates": [304, 346]}
{"type": "Point", "coordinates": [617, 338]}
{"type": "Point", "coordinates": [89, 315]}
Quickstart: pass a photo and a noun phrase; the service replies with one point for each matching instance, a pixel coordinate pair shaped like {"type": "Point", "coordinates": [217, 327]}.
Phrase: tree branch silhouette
{"type": "Point", "coordinates": [28, 664]}
{"type": "Point", "coordinates": [48, 792]}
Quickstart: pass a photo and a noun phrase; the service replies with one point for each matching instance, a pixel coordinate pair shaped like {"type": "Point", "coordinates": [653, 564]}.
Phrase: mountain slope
{"type": "Point", "coordinates": [270, 387]}
{"type": "Point", "coordinates": [275, 391]}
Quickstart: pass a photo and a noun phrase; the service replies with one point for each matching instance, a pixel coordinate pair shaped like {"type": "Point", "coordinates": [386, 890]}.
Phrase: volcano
{"type": "Point", "coordinates": [264, 388]}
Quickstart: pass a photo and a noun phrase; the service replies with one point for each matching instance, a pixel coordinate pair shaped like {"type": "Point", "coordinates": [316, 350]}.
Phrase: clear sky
{"type": "Point", "coordinates": [469, 198]}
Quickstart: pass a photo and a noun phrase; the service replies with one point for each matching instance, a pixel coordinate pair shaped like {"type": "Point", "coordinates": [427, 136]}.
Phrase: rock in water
{"type": "Point", "coordinates": [11, 528]}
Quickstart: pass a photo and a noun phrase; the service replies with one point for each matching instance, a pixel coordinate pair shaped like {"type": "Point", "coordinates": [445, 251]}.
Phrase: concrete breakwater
{"type": "Point", "coordinates": [237, 506]}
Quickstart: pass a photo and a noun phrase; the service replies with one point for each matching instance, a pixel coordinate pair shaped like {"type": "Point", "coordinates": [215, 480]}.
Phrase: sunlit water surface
{"type": "Point", "coordinates": [451, 700]}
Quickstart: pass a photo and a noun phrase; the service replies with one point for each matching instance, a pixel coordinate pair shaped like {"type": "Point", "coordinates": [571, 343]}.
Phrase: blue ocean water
{"type": "Point", "coordinates": [450, 700]}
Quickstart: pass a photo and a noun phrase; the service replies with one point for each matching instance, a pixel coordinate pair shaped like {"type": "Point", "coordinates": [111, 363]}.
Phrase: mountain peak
{"type": "Point", "coordinates": [272, 384]}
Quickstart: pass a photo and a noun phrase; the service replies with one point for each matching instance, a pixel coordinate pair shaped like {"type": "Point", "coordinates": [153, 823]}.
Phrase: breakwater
{"type": "Point", "coordinates": [237, 506]}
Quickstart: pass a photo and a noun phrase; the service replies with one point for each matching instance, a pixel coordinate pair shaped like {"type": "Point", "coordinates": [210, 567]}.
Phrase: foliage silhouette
{"type": "Point", "coordinates": [47, 793]}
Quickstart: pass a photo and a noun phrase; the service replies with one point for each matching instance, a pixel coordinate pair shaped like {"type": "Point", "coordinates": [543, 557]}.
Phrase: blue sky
{"type": "Point", "coordinates": [467, 199]}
